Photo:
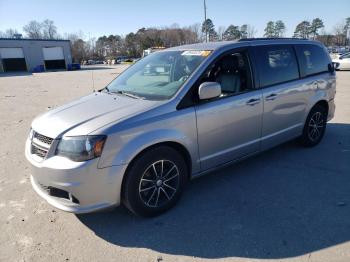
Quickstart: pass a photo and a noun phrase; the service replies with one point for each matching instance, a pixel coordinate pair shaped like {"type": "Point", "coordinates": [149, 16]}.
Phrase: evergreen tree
{"type": "Point", "coordinates": [280, 28]}
{"type": "Point", "coordinates": [302, 30]}
{"type": "Point", "coordinates": [208, 27]}
{"type": "Point", "coordinates": [232, 33]}
{"type": "Point", "coordinates": [270, 29]}
{"type": "Point", "coordinates": [316, 25]}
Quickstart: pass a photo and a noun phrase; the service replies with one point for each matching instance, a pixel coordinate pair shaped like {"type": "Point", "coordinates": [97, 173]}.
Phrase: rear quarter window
{"type": "Point", "coordinates": [313, 59]}
{"type": "Point", "coordinates": [277, 64]}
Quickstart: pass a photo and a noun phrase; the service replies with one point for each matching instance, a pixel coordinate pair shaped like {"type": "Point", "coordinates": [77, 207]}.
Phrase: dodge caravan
{"type": "Point", "coordinates": [176, 114]}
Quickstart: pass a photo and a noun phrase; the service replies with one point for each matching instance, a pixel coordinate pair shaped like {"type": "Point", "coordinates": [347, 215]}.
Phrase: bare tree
{"type": "Point", "coordinates": [339, 34]}
{"type": "Point", "coordinates": [9, 33]}
{"type": "Point", "coordinates": [175, 26]}
{"type": "Point", "coordinates": [196, 28]}
{"type": "Point", "coordinates": [33, 29]}
{"type": "Point", "coordinates": [74, 36]}
{"type": "Point", "coordinates": [49, 29]}
{"type": "Point", "coordinates": [251, 31]}
{"type": "Point", "coordinates": [221, 31]}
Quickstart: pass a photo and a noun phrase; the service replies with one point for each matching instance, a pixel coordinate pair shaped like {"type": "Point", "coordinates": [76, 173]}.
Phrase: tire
{"type": "Point", "coordinates": [154, 181]}
{"type": "Point", "coordinates": [315, 126]}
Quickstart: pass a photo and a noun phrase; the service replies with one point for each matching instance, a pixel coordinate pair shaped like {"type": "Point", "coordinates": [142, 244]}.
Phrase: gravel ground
{"type": "Point", "coordinates": [290, 203]}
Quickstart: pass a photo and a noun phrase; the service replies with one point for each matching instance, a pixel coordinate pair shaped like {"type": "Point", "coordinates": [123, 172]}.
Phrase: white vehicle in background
{"type": "Point", "coordinates": [343, 62]}
{"type": "Point", "coordinates": [151, 50]}
{"type": "Point", "coordinates": [336, 52]}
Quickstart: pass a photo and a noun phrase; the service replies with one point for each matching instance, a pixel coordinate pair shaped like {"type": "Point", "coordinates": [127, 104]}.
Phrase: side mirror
{"type": "Point", "coordinates": [331, 67]}
{"type": "Point", "coordinates": [208, 90]}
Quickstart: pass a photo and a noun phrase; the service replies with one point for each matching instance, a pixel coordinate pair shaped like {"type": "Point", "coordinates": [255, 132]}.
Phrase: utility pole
{"type": "Point", "coordinates": [205, 22]}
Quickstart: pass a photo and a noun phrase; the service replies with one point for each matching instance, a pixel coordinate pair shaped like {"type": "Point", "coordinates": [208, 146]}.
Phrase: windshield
{"type": "Point", "coordinates": [159, 75]}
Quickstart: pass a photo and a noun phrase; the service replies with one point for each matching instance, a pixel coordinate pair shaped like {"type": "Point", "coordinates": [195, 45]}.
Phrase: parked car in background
{"type": "Point", "coordinates": [342, 62]}
{"type": "Point", "coordinates": [91, 62]}
{"type": "Point", "coordinates": [336, 52]}
{"type": "Point", "coordinates": [175, 115]}
{"type": "Point", "coordinates": [120, 59]}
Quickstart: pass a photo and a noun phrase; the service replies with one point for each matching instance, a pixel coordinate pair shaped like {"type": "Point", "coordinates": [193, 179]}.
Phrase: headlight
{"type": "Point", "coordinates": [31, 134]}
{"type": "Point", "coordinates": [81, 148]}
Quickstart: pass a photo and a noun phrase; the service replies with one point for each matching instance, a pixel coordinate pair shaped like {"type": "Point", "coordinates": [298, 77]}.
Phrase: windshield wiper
{"type": "Point", "coordinates": [129, 94]}
{"type": "Point", "coordinates": [105, 89]}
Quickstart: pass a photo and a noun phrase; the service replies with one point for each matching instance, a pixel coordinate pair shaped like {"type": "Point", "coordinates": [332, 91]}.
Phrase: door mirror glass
{"type": "Point", "coordinates": [208, 90]}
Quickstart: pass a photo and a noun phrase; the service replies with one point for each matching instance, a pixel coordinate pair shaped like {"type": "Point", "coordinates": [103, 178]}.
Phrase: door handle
{"type": "Point", "coordinates": [271, 97]}
{"type": "Point", "coordinates": [253, 101]}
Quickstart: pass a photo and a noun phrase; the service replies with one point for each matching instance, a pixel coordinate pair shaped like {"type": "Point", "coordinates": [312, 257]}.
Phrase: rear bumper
{"type": "Point", "coordinates": [83, 187]}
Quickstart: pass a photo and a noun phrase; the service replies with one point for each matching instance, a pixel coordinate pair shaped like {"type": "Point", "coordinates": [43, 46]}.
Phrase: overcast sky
{"type": "Point", "coordinates": [99, 17]}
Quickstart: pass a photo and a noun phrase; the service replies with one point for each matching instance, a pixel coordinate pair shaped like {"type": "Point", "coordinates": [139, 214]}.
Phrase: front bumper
{"type": "Point", "coordinates": [83, 187]}
{"type": "Point", "coordinates": [331, 109]}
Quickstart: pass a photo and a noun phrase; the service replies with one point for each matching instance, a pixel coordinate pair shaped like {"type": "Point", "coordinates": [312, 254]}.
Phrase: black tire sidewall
{"type": "Point", "coordinates": [131, 197]}
{"type": "Point", "coordinates": [305, 137]}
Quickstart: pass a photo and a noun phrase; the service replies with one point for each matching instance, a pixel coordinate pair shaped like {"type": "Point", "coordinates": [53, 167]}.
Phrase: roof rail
{"type": "Point", "coordinates": [270, 38]}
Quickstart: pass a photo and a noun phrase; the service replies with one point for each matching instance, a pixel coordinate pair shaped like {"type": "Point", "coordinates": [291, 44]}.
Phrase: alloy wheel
{"type": "Point", "coordinates": [159, 183]}
{"type": "Point", "coordinates": [316, 125]}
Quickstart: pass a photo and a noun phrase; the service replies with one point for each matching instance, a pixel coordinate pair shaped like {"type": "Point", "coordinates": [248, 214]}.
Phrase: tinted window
{"type": "Point", "coordinates": [277, 64]}
{"type": "Point", "coordinates": [232, 72]}
{"type": "Point", "coordinates": [313, 59]}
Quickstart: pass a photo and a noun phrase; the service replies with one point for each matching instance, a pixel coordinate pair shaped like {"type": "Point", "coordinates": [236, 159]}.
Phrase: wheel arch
{"type": "Point", "coordinates": [323, 103]}
{"type": "Point", "coordinates": [180, 148]}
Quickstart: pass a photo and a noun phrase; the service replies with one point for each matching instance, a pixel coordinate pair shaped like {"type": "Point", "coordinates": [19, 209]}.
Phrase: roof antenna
{"type": "Point", "coordinates": [93, 81]}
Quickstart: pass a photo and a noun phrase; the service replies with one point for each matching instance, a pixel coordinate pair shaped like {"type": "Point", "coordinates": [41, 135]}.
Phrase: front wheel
{"type": "Point", "coordinates": [155, 181]}
{"type": "Point", "coordinates": [315, 126]}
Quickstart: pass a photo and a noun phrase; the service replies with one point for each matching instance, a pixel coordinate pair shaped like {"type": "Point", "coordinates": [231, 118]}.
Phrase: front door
{"type": "Point", "coordinates": [229, 127]}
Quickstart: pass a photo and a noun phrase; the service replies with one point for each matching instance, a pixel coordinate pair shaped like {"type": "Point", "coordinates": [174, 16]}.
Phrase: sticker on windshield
{"type": "Point", "coordinates": [196, 52]}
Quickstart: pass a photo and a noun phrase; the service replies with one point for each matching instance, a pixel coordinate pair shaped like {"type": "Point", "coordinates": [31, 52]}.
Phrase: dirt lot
{"type": "Point", "coordinates": [290, 203]}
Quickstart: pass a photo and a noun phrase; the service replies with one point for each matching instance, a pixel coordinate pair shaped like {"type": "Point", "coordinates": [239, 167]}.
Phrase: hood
{"type": "Point", "coordinates": [89, 113]}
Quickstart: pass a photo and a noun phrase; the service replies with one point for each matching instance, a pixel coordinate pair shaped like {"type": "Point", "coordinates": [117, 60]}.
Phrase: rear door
{"type": "Point", "coordinates": [284, 97]}
{"type": "Point", "coordinates": [314, 70]}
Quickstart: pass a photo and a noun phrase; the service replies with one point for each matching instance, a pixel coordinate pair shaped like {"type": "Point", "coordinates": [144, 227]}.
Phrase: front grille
{"type": "Point", "coordinates": [42, 138]}
{"type": "Point", "coordinates": [38, 151]}
{"type": "Point", "coordinates": [40, 145]}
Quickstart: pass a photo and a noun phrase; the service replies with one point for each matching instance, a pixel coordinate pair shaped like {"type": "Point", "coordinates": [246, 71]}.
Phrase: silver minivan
{"type": "Point", "coordinates": [177, 114]}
